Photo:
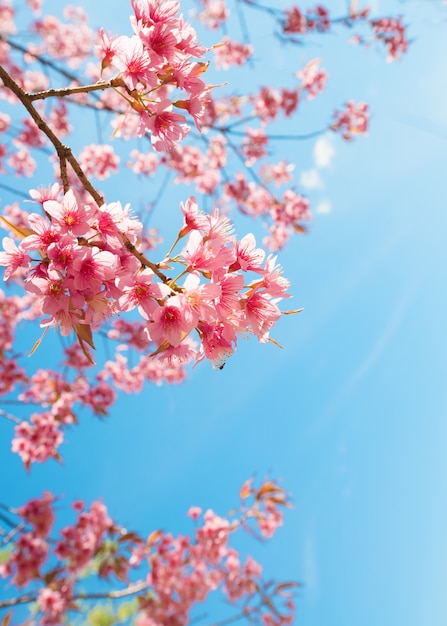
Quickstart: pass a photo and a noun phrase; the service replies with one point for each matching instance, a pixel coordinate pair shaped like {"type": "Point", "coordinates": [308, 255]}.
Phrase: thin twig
{"type": "Point", "coordinates": [238, 133]}
{"type": "Point", "coordinates": [105, 595]}
{"type": "Point", "coordinates": [63, 152]}
{"type": "Point", "coordinates": [69, 91]}
{"type": "Point", "coordinates": [14, 191]}
{"type": "Point", "coordinates": [13, 532]}
{"type": "Point", "coordinates": [10, 417]}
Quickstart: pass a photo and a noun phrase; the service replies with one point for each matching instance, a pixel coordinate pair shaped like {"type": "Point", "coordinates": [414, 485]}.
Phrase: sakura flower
{"type": "Point", "coordinates": [80, 542]}
{"type": "Point", "coordinates": [29, 556]}
{"type": "Point", "coordinates": [318, 19]}
{"type": "Point", "coordinates": [42, 194]}
{"type": "Point", "coordinates": [194, 512]}
{"type": "Point", "coordinates": [352, 121]}
{"type": "Point", "coordinates": [99, 161]}
{"type": "Point", "coordinates": [273, 281]}
{"type": "Point", "coordinates": [53, 606]}
{"type": "Point", "coordinates": [231, 52]}
{"type": "Point", "coordinates": [132, 59]}
{"type": "Point", "coordinates": [254, 145]}
{"type": "Point", "coordinates": [227, 304]}
{"type": "Point", "coordinates": [113, 219]}
{"type": "Point", "coordinates": [168, 323]}
{"type": "Point", "coordinates": [37, 441]}
{"type": "Point", "coordinates": [162, 40]}
{"type": "Point", "coordinates": [39, 513]}
{"type": "Point", "coordinates": [22, 163]}
{"type": "Point", "coordinates": [261, 313]}
{"type": "Point", "coordinates": [278, 173]}
{"type": "Point", "coordinates": [289, 101]}
{"type": "Point", "coordinates": [295, 21]}
{"type": "Point", "coordinates": [149, 12]}
{"type": "Point", "coordinates": [56, 303]}
{"type": "Point", "coordinates": [166, 128]}
{"type": "Point", "coordinates": [13, 258]}
{"type": "Point", "coordinates": [313, 79]}
{"type": "Point", "coordinates": [69, 216]}
{"type": "Point", "coordinates": [106, 48]}
{"type": "Point", "coordinates": [174, 356]}
{"type": "Point", "coordinates": [141, 292]}
{"type": "Point", "coordinates": [206, 255]}
{"type": "Point", "coordinates": [197, 299]}
{"type": "Point", "coordinates": [193, 219]}
{"type": "Point", "coordinates": [44, 233]}
{"type": "Point", "coordinates": [248, 257]}
{"type": "Point", "coordinates": [91, 267]}
{"type": "Point", "coordinates": [214, 14]}
{"type": "Point", "coordinates": [143, 163]}
{"type": "Point", "coordinates": [218, 342]}
{"type": "Point", "coordinates": [392, 33]}
{"type": "Point", "coordinates": [61, 255]}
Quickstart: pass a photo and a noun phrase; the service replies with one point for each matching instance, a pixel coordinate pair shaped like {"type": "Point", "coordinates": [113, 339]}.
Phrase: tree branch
{"type": "Point", "coordinates": [104, 595]}
{"type": "Point", "coordinates": [69, 91]}
{"type": "Point", "coordinates": [63, 152]}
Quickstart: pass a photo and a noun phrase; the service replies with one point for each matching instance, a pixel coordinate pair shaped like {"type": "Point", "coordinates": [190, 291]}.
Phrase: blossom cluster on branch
{"type": "Point", "coordinates": [174, 572]}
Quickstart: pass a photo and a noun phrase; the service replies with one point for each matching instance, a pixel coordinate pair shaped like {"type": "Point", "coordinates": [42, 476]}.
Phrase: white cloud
{"type": "Point", "coordinates": [324, 207]}
{"type": "Point", "coordinates": [323, 152]}
{"type": "Point", "coordinates": [311, 179]}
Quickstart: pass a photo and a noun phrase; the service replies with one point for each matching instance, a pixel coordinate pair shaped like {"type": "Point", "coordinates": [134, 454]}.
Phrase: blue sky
{"type": "Point", "coordinates": [351, 415]}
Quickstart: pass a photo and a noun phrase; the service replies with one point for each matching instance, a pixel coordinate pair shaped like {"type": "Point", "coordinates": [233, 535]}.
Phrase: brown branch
{"type": "Point", "coordinates": [26, 599]}
{"type": "Point", "coordinates": [69, 91]}
{"type": "Point", "coordinates": [114, 595]}
{"type": "Point", "coordinates": [105, 595]}
{"type": "Point", "coordinates": [63, 152]}
{"type": "Point", "coordinates": [143, 260]}
{"type": "Point", "coordinates": [64, 174]}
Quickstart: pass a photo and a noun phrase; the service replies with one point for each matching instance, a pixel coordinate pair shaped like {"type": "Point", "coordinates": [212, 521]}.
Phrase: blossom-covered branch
{"type": "Point", "coordinates": [174, 573]}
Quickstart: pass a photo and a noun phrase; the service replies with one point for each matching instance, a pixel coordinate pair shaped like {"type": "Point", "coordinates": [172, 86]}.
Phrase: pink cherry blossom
{"type": "Point", "coordinates": [351, 121]}
{"type": "Point", "coordinates": [166, 128]}
{"type": "Point", "coordinates": [214, 13]}
{"type": "Point", "coordinates": [69, 216]}
{"type": "Point", "coordinates": [313, 78]}
{"type": "Point", "coordinates": [13, 258]}
{"type": "Point", "coordinates": [99, 161]}
{"type": "Point", "coordinates": [39, 513]}
{"type": "Point", "coordinates": [168, 323]}
{"type": "Point", "coordinates": [231, 52]}
{"type": "Point", "coordinates": [37, 441]}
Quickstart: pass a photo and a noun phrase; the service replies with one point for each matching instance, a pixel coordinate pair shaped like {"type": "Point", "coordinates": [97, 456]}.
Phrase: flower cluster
{"type": "Point", "coordinates": [231, 52]}
{"type": "Point", "coordinates": [351, 121]}
{"type": "Point", "coordinates": [88, 266]}
{"type": "Point", "coordinates": [38, 441]}
{"type": "Point", "coordinates": [156, 59]}
{"type": "Point", "coordinates": [298, 22]}
{"type": "Point", "coordinates": [175, 572]}
{"type": "Point", "coordinates": [214, 13]}
{"type": "Point", "coordinates": [71, 40]}
{"type": "Point", "coordinates": [392, 32]}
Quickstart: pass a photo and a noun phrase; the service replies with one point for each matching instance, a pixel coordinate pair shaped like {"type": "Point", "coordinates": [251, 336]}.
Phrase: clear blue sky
{"type": "Point", "coordinates": [351, 415]}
